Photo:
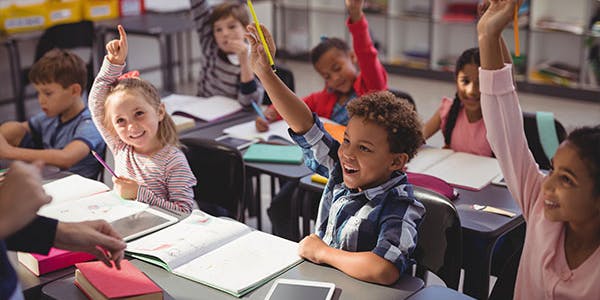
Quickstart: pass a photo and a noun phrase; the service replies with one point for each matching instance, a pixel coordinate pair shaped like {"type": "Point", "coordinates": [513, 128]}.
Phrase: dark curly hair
{"type": "Point", "coordinates": [469, 56]}
{"type": "Point", "coordinates": [395, 115]}
{"type": "Point", "coordinates": [325, 45]}
{"type": "Point", "coordinates": [587, 141]}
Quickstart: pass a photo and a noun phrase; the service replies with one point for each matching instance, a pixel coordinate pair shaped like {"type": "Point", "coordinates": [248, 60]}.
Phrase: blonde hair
{"type": "Point", "coordinates": [167, 134]}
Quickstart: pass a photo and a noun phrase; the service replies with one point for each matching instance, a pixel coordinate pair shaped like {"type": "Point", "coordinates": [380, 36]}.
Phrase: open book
{"type": "Point", "coordinates": [76, 198]}
{"type": "Point", "coordinates": [207, 109]}
{"type": "Point", "coordinates": [460, 169]}
{"type": "Point", "coordinates": [221, 253]}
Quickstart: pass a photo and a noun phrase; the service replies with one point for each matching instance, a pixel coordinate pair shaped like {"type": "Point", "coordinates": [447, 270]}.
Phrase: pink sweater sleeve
{"type": "Point", "coordinates": [504, 122]}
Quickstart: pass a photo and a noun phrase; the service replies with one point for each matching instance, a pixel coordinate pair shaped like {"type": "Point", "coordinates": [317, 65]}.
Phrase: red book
{"type": "Point", "coordinates": [97, 281]}
{"type": "Point", "coordinates": [55, 260]}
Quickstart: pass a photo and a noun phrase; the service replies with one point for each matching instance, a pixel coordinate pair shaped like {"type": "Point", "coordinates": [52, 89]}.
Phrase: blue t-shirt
{"type": "Point", "coordinates": [51, 133]}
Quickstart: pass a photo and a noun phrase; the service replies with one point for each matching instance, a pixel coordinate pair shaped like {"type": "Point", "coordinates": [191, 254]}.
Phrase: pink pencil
{"type": "Point", "coordinates": [103, 163]}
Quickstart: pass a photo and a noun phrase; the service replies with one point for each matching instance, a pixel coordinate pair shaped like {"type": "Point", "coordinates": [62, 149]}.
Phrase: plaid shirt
{"type": "Point", "coordinates": [382, 219]}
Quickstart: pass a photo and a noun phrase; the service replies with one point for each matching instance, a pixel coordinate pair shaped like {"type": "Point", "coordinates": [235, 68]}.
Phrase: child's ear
{"type": "Point", "coordinates": [399, 160]}
{"type": "Point", "coordinates": [75, 89]}
{"type": "Point", "coordinates": [353, 57]}
{"type": "Point", "coordinates": [161, 111]}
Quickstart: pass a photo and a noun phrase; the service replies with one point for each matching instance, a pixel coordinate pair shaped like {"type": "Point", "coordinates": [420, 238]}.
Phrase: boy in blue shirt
{"type": "Point", "coordinates": [63, 133]}
{"type": "Point", "coordinates": [368, 216]}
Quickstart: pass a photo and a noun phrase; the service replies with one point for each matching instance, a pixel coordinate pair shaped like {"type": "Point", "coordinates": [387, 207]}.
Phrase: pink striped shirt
{"type": "Point", "coordinates": [165, 177]}
{"type": "Point", "coordinates": [543, 271]}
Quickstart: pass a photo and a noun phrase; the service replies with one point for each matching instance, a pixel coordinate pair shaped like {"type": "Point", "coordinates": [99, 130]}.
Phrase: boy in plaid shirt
{"type": "Point", "coordinates": [368, 216]}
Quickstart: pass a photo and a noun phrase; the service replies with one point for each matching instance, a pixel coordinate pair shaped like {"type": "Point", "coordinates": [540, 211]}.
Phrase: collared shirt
{"type": "Point", "coordinates": [382, 219]}
{"type": "Point", "coordinates": [52, 133]}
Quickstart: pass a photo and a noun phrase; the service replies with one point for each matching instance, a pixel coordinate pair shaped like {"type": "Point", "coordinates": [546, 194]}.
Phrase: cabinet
{"type": "Point", "coordinates": [424, 38]}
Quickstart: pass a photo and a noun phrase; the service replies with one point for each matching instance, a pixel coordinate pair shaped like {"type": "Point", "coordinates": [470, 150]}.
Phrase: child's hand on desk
{"type": "Point", "coordinates": [117, 49]}
{"type": "Point", "coordinates": [259, 62]}
{"type": "Point", "coordinates": [126, 188]}
{"type": "Point", "coordinates": [312, 248]}
{"type": "Point", "coordinates": [262, 125]}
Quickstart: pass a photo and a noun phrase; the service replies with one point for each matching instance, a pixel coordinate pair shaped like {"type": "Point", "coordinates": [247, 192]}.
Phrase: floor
{"type": "Point", "coordinates": [427, 95]}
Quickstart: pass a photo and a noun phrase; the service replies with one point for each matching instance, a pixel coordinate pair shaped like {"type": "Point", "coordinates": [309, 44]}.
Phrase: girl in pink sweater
{"type": "Point", "coordinates": [561, 253]}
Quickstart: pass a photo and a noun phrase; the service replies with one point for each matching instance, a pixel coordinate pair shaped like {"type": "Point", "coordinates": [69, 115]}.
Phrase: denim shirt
{"type": "Point", "coordinates": [383, 219]}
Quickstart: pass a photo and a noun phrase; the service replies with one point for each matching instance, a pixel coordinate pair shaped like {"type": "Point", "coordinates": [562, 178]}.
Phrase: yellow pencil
{"type": "Point", "coordinates": [261, 35]}
{"type": "Point", "coordinates": [515, 30]}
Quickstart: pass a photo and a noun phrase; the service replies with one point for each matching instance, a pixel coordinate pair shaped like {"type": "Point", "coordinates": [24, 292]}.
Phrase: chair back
{"type": "Point", "coordinates": [439, 245]}
{"type": "Point", "coordinates": [287, 77]}
{"type": "Point", "coordinates": [404, 95]}
{"type": "Point", "coordinates": [221, 176]}
{"type": "Point", "coordinates": [532, 133]}
{"type": "Point", "coordinates": [68, 36]}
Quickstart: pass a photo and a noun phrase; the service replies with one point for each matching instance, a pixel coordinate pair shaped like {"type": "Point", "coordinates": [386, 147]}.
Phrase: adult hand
{"type": "Point", "coordinates": [117, 49]}
{"type": "Point", "coordinates": [21, 196]}
{"type": "Point", "coordinates": [126, 188]}
{"type": "Point", "coordinates": [95, 237]}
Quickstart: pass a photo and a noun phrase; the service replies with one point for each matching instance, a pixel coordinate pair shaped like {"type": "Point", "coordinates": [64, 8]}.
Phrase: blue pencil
{"type": "Point", "coordinates": [103, 163]}
{"type": "Point", "coordinates": [258, 110]}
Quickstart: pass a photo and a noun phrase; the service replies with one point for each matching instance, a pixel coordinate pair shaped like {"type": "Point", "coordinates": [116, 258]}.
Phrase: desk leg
{"type": "Point", "coordinates": [180, 57]}
{"type": "Point", "coordinates": [294, 215]}
{"type": "Point", "coordinates": [477, 265]}
{"type": "Point", "coordinates": [306, 213]}
{"type": "Point", "coordinates": [190, 57]}
{"type": "Point", "coordinates": [258, 200]}
{"type": "Point", "coordinates": [166, 60]}
{"type": "Point", "coordinates": [15, 71]}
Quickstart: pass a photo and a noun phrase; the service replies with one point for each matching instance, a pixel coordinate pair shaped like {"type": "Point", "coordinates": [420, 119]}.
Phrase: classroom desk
{"type": "Point", "coordinates": [478, 227]}
{"type": "Point", "coordinates": [160, 26]}
{"type": "Point", "coordinates": [347, 288]}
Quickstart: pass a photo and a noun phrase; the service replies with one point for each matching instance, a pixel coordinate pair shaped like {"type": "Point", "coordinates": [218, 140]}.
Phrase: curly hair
{"type": "Point", "coordinates": [587, 141]}
{"type": "Point", "coordinates": [167, 133]}
{"type": "Point", "coordinates": [325, 45]}
{"type": "Point", "coordinates": [59, 66]}
{"type": "Point", "coordinates": [399, 119]}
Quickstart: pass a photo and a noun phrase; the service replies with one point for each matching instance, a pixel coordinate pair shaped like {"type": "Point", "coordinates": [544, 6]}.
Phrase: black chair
{"type": "Point", "coordinates": [533, 138]}
{"type": "Point", "coordinates": [221, 176]}
{"type": "Point", "coordinates": [438, 292]}
{"type": "Point", "coordinates": [405, 96]}
{"type": "Point", "coordinates": [63, 36]}
{"type": "Point", "coordinates": [287, 77]}
{"type": "Point", "coordinates": [439, 246]}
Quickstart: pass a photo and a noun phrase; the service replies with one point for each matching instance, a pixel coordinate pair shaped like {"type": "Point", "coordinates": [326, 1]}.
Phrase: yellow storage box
{"type": "Point", "coordinates": [64, 11]}
{"type": "Point", "coordinates": [19, 16]}
{"type": "Point", "coordinates": [94, 10]}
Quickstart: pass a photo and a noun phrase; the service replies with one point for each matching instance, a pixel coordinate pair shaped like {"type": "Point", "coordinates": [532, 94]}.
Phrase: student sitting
{"type": "Point", "coordinates": [561, 253]}
{"type": "Point", "coordinates": [140, 135]}
{"type": "Point", "coordinates": [224, 61]}
{"type": "Point", "coordinates": [63, 133]}
{"type": "Point", "coordinates": [368, 216]}
{"type": "Point", "coordinates": [337, 64]}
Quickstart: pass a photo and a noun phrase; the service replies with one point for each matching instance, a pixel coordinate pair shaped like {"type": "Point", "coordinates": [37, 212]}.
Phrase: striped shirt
{"type": "Point", "coordinates": [218, 76]}
{"type": "Point", "coordinates": [165, 179]}
{"type": "Point", "coordinates": [382, 219]}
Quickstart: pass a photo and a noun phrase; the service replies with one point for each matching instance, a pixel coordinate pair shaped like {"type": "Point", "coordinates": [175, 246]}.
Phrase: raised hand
{"type": "Point", "coordinates": [117, 49]}
{"type": "Point", "coordinates": [21, 196]}
{"type": "Point", "coordinates": [497, 15]}
{"type": "Point", "coordinates": [355, 9]}
{"type": "Point", "coordinates": [259, 62]}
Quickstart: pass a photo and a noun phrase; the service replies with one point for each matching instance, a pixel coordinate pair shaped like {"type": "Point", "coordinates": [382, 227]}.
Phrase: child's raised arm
{"type": "Point", "coordinates": [293, 110]}
{"type": "Point", "coordinates": [489, 30]}
{"type": "Point", "coordinates": [117, 49]}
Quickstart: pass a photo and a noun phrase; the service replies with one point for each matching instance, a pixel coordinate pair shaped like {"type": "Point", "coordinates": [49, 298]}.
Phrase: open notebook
{"type": "Point", "coordinates": [207, 109]}
{"type": "Point", "coordinates": [277, 129]}
{"type": "Point", "coordinates": [220, 253]}
{"type": "Point", "coordinates": [76, 198]}
{"type": "Point", "coordinates": [459, 169]}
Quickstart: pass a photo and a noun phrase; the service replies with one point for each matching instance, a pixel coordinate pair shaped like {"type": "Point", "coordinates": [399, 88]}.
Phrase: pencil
{"type": "Point", "coordinates": [103, 163]}
{"type": "Point", "coordinates": [258, 110]}
{"type": "Point", "coordinates": [515, 30]}
{"type": "Point", "coordinates": [261, 35]}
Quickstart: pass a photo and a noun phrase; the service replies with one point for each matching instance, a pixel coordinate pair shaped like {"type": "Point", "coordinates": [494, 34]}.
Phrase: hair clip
{"type": "Point", "coordinates": [130, 74]}
{"type": "Point", "coordinates": [324, 38]}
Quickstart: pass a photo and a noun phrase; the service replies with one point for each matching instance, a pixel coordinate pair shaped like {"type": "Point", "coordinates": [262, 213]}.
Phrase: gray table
{"type": "Point", "coordinates": [478, 227]}
{"type": "Point", "coordinates": [180, 288]}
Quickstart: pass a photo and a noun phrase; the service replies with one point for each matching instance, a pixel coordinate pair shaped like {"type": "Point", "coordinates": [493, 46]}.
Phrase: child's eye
{"type": "Point", "coordinates": [364, 148]}
{"type": "Point", "coordinates": [119, 121]}
{"type": "Point", "coordinates": [566, 180]}
{"type": "Point", "coordinates": [139, 113]}
{"type": "Point", "coordinates": [346, 141]}
{"type": "Point", "coordinates": [232, 26]}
